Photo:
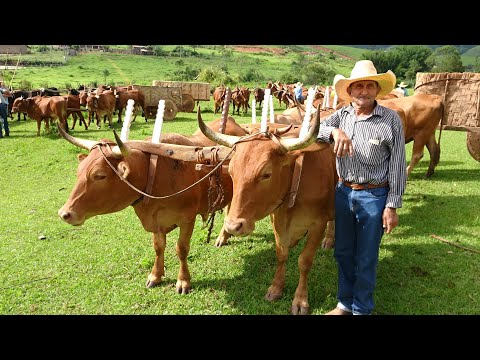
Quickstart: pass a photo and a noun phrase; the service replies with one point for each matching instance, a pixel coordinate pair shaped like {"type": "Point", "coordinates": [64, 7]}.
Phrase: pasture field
{"type": "Point", "coordinates": [90, 67]}
{"type": "Point", "coordinates": [101, 267]}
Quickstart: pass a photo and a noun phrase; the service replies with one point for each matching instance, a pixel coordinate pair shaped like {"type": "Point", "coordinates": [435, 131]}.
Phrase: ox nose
{"type": "Point", "coordinates": [64, 215]}
{"type": "Point", "coordinates": [238, 227]}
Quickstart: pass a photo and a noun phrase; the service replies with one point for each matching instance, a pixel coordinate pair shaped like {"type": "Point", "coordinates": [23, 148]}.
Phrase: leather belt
{"type": "Point", "coordinates": [366, 186]}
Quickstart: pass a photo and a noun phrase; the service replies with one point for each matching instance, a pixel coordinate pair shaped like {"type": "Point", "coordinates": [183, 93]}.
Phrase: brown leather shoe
{"type": "Point", "coordinates": [338, 311]}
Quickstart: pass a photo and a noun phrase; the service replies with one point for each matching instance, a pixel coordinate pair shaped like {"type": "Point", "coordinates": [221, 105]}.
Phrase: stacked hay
{"type": "Point", "coordinates": [461, 95]}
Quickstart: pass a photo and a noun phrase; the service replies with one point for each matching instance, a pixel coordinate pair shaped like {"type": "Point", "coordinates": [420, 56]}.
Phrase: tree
{"type": "Point", "coordinates": [445, 59]}
{"type": "Point", "coordinates": [105, 74]}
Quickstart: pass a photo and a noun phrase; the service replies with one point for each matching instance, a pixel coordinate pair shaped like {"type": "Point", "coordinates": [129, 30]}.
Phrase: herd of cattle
{"type": "Point", "coordinates": [257, 174]}
{"type": "Point", "coordinates": [48, 105]}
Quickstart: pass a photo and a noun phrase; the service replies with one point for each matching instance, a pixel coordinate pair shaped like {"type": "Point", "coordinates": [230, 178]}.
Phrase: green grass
{"type": "Point", "coordinates": [89, 67]}
{"type": "Point", "coordinates": [101, 267]}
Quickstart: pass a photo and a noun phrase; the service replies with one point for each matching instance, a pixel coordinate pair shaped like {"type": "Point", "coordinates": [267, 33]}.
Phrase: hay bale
{"type": "Point", "coordinates": [461, 95]}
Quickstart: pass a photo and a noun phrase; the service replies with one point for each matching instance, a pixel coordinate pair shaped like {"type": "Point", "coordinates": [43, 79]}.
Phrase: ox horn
{"type": "Point", "coordinates": [121, 148]}
{"type": "Point", "coordinates": [291, 144]}
{"type": "Point", "coordinates": [82, 143]}
{"type": "Point", "coordinates": [222, 139]}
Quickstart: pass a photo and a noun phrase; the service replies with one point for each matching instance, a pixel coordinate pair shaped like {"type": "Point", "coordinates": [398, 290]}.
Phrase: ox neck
{"type": "Point", "coordinates": [137, 201]}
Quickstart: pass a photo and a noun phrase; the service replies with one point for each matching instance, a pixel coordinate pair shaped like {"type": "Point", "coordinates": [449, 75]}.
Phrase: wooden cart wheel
{"type": "Point", "coordinates": [170, 110]}
{"type": "Point", "coordinates": [473, 144]}
{"type": "Point", "coordinates": [188, 102]}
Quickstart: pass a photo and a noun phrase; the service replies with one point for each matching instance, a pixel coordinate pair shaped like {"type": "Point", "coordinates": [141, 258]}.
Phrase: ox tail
{"type": "Point", "coordinates": [442, 116]}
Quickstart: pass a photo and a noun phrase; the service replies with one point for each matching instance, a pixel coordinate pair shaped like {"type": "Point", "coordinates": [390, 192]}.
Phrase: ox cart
{"type": "Point", "coordinates": [178, 96]}
{"type": "Point", "coordinates": [461, 95]}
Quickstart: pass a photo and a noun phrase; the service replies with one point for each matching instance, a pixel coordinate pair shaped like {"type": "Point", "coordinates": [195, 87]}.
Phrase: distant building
{"type": "Point", "coordinates": [13, 49]}
{"type": "Point", "coordinates": [92, 47]}
{"type": "Point", "coordinates": [142, 50]}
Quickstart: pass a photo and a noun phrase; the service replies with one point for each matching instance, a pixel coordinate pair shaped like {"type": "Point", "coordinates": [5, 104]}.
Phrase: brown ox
{"type": "Point", "coordinates": [262, 170]}
{"type": "Point", "coordinates": [40, 108]}
{"type": "Point", "coordinates": [240, 99]}
{"type": "Point", "coordinates": [218, 98]}
{"type": "Point", "coordinates": [73, 108]}
{"type": "Point", "coordinates": [422, 113]}
{"type": "Point", "coordinates": [83, 97]}
{"type": "Point", "coordinates": [102, 190]}
{"type": "Point", "coordinates": [100, 105]}
{"type": "Point", "coordinates": [258, 94]}
{"type": "Point", "coordinates": [122, 97]}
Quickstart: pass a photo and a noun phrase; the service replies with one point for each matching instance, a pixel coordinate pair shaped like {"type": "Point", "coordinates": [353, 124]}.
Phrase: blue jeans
{"type": "Point", "coordinates": [358, 231]}
{"type": "Point", "coordinates": [4, 115]}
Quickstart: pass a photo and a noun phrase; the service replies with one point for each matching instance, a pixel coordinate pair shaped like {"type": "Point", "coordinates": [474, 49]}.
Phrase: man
{"type": "Point", "coordinates": [372, 180]}
{"type": "Point", "coordinates": [4, 94]}
{"type": "Point", "coordinates": [298, 92]}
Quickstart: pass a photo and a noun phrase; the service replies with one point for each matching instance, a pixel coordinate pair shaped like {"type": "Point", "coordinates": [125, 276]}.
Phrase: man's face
{"type": "Point", "coordinates": [363, 92]}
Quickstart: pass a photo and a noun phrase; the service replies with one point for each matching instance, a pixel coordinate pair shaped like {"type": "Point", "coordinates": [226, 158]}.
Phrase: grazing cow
{"type": "Point", "coordinates": [423, 113]}
{"type": "Point", "coordinates": [122, 97]}
{"type": "Point", "coordinates": [100, 105]}
{"type": "Point", "coordinates": [101, 190]}
{"type": "Point", "coordinates": [262, 170]}
{"type": "Point", "coordinates": [41, 108]}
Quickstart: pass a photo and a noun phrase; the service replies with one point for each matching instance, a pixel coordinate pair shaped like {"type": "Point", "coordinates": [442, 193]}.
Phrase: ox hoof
{"type": "Point", "coordinates": [150, 284]}
{"type": "Point", "coordinates": [183, 287]}
{"type": "Point", "coordinates": [270, 296]}
{"type": "Point", "coordinates": [221, 242]}
{"type": "Point", "coordinates": [328, 244]}
{"type": "Point", "coordinates": [152, 281]}
{"type": "Point", "coordinates": [300, 310]}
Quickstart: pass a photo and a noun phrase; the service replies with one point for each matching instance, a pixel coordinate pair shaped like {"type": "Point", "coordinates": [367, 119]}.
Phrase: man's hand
{"type": "Point", "coordinates": [390, 219]}
{"type": "Point", "coordinates": [343, 144]}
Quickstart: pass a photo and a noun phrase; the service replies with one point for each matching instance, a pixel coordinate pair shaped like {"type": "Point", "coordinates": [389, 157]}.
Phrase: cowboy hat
{"type": "Point", "coordinates": [402, 85]}
{"type": "Point", "coordinates": [364, 70]}
{"type": "Point", "coordinates": [299, 84]}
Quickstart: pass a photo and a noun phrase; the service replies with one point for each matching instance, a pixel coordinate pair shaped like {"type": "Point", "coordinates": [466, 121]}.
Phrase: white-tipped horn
{"type": "Point", "coordinates": [82, 143]}
{"type": "Point", "coordinates": [222, 139]}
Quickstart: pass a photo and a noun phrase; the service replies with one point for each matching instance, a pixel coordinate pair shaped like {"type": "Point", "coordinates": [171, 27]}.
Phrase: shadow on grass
{"type": "Point", "coordinates": [427, 277]}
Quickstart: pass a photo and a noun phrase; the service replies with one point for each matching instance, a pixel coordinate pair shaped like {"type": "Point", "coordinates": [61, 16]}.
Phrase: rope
{"type": "Point", "coordinates": [99, 145]}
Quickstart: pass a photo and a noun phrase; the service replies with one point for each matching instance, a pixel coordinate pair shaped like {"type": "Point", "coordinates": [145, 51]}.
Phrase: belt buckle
{"type": "Point", "coordinates": [358, 187]}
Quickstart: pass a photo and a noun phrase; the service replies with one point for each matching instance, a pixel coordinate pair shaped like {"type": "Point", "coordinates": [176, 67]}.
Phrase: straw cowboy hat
{"type": "Point", "coordinates": [364, 70]}
{"type": "Point", "coordinates": [299, 84]}
{"type": "Point", "coordinates": [402, 85]}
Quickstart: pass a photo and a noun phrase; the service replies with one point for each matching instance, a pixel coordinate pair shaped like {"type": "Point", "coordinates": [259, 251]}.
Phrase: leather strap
{"type": "Point", "coordinates": [366, 186]}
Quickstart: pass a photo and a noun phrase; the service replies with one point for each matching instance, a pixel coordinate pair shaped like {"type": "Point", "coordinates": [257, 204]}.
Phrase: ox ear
{"type": "Point", "coordinates": [123, 169]}
{"type": "Point", "coordinates": [81, 157]}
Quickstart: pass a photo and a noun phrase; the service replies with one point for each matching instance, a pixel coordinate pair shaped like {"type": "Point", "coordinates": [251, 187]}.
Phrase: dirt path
{"type": "Point", "coordinates": [119, 71]}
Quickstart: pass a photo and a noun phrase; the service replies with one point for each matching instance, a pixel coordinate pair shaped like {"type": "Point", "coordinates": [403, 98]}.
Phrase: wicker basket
{"type": "Point", "coordinates": [461, 95]}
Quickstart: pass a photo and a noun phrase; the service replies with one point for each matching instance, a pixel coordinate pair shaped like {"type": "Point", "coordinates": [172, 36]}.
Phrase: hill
{"type": "Point", "coordinates": [250, 65]}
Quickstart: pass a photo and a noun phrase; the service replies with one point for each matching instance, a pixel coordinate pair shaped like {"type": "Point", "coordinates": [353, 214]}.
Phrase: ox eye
{"type": "Point", "coordinates": [99, 177]}
{"type": "Point", "coordinates": [265, 176]}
